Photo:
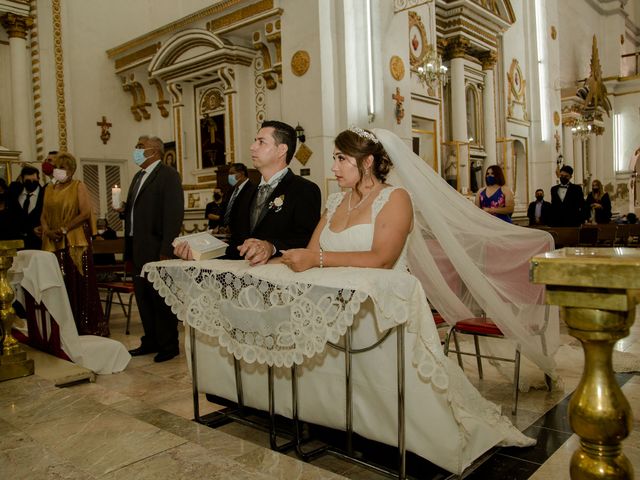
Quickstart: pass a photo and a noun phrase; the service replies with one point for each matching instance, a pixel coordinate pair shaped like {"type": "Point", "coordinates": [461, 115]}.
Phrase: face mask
{"type": "Point", "coordinates": [539, 198]}
{"type": "Point", "coordinates": [59, 174]}
{"type": "Point", "coordinates": [138, 156]}
{"type": "Point", "coordinates": [564, 180]}
{"type": "Point", "coordinates": [30, 185]}
{"type": "Point", "coordinates": [232, 180]}
{"type": "Point", "coordinates": [596, 189]}
{"type": "Point", "coordinates": [490, 179]}
{"type": "Point", "coordinates": [217, 198]}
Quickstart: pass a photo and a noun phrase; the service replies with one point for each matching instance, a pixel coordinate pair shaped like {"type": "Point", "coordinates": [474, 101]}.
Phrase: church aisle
{"type": "Point", "coordinates": [136, 424]}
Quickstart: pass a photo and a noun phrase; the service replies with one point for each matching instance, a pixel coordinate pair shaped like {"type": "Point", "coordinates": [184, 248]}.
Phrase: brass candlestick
{"type": "Point", "coordinates": [13, 361]}
{"type": "Point", "coordinates": [597, 290]}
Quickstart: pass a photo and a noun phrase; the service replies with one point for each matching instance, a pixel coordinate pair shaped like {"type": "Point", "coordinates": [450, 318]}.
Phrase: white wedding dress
{"type": "Point", "coordinates": [448, 422]}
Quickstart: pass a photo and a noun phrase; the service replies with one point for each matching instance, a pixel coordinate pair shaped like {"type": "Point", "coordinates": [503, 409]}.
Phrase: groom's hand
{"type": "Point", "coordinates": [257, 252]}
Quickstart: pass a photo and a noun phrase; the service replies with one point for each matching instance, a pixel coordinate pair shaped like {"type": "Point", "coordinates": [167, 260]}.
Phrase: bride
{"type": "Point", "coordinates": [369, 225]}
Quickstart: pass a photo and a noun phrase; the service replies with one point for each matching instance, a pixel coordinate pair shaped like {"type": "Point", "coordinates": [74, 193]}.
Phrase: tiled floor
{"type": "Point", "coordinates": [136, 424]}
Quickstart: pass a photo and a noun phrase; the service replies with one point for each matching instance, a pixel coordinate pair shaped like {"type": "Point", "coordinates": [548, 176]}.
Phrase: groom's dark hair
{"type": "Point", "coordinates": [283, 133]}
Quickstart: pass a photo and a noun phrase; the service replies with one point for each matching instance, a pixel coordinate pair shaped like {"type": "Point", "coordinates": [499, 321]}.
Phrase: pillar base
{"type": "Point", "coordinates": [15, 366]}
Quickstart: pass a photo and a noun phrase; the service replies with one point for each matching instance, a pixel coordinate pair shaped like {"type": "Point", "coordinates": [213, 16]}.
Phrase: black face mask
{"type": "Point", "coordinates": [30, 185]}
{"type": "Point", "coordinates": [539, 198]}
{"type": "Point", "coordinates": [564, 180]}
{"type": "Point", "coordinates": [217, 198]}
{"type": "Point", "coordinates": [596, 189]}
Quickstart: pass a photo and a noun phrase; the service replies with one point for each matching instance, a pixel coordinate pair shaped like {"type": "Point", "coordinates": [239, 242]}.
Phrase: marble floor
{"type": "Point", "coordinates": [137, 424]}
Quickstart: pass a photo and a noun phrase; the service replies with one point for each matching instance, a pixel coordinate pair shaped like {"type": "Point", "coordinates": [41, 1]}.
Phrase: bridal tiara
{"type": "Point", "coordinates": [364, 134]}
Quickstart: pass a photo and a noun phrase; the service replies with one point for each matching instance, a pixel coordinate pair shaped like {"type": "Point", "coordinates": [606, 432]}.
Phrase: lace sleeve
{"type": "Point", "coordinates": [332, 203]}
{"type": "Point", "coordinates": [381, 200]}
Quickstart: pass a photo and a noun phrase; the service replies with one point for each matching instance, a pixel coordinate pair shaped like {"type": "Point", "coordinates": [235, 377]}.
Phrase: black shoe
{"type": "Point", "coordinates": [164, 356]}
{"type": "Point", "coordinates": [136, 352]}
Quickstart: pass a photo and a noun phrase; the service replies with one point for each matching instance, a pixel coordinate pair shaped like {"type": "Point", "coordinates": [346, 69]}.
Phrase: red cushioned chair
{"type": "Point", "coordinates": [481, 327]}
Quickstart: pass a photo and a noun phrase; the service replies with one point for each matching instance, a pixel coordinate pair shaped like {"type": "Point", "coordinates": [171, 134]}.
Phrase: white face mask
{"type": "Point", "coordinates": [59, 174]}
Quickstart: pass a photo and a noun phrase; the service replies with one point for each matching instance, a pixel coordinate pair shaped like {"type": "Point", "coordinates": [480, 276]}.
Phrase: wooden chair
{"type": "Point", "coordinates": [566, 236]}
{"type": "Point", "coordinates": [123, 286]}
{"type": "Point", "coordinates": [622, 235]}
{"type": "Point", "coordinates": [588, 236]}
{"type": "Point", "coordinates": [634, 235]}
{"type": "Point", "coordinates": [607, 234]}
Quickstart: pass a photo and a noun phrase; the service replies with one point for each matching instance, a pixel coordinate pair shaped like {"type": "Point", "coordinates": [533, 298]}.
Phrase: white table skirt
{"type": "Point", "coordinates": [231, 305]}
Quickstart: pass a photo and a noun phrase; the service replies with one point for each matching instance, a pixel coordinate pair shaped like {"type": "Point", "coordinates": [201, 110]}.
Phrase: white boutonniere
{"type": "Point", "coordinates": [277, 203]}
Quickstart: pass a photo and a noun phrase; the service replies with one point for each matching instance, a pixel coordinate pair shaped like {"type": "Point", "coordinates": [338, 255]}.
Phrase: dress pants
{"type": "Point", "coordinates": [159, 323]}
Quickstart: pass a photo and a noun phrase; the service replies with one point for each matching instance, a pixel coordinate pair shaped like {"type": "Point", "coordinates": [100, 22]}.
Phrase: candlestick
{"type": "Point", "coordinates": [115, 197]}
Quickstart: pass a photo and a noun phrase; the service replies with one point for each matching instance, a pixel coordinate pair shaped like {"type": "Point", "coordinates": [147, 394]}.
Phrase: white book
{"type": "Point", "coordinates": [203, 245]}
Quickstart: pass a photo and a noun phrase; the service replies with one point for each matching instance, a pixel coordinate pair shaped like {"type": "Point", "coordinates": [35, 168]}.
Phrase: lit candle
{"type": "Point", "coordinates": [115, 196]}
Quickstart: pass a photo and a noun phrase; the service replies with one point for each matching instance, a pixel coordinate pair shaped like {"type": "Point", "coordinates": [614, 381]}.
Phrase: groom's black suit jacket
{"type": "Point", "coordinates": [289, 225]}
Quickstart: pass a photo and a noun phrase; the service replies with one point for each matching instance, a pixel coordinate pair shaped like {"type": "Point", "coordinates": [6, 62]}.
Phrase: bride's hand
{"type": "Point", "coordinates": [300, 259]}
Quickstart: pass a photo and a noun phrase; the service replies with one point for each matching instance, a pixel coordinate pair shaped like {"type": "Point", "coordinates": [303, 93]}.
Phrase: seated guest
{"type": "Point", "coordinates": [282, 212]}
{"type": "Point", "coordinates": [66, 231]}
{"type": "Point", "coordinates": [238, 179]}
{"type": "Point", "coordinates": [214, 211]}
{"type": "Point", "coordinates": [539, 212]}
{"type": "Point", "coordinates": [597, 207]}
{"type": "Point", "coordinates": [496, 198]}
{"type": "Point", "coordinates": [27, 206]}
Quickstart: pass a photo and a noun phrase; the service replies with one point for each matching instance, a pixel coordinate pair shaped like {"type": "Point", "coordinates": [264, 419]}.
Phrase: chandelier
{"type": "Point", "coordinates": [432, 70]}
{"type": "Point", "coordinates": [582, 127]}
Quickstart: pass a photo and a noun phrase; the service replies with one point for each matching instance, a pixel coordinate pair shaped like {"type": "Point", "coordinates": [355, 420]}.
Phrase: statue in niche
{"type": "Point", "coordinates": [451, 170]}
{"type": "Point", "coordinates": [212, 141]}
{"type": "Point", "coordinates": [475, 173]}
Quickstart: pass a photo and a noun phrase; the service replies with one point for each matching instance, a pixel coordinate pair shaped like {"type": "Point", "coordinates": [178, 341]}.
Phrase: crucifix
{"type": "Point", "coordinates": [399, 110]}
{"type": "Point", "coordinates": [105, 135]}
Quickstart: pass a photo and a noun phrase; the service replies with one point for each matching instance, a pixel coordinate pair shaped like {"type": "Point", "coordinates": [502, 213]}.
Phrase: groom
{"type": "Point", "coordinates": [280, 213]}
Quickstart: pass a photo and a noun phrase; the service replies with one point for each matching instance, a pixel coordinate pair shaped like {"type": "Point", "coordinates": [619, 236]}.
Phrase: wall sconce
{"type": "Point", "coordinates": [432, 70]}
{"type": "Point", "coordinates": [300, 134]}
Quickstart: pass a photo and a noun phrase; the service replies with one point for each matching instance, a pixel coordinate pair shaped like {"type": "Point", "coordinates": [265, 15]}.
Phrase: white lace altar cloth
{"type": "Point", "coordinates": [271, 315]}
{"type": "Point", "coordinates": [268, 314]}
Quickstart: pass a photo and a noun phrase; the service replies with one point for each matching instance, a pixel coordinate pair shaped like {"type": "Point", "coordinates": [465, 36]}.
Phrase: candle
{"type": "Point", "coordinates": [115, 197]}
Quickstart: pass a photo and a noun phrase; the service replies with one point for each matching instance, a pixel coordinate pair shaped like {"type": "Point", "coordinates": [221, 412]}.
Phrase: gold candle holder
{"type": "Point", "coordinates": [13, 361]}
{"type": "Point", "coordinates": [597, 290]}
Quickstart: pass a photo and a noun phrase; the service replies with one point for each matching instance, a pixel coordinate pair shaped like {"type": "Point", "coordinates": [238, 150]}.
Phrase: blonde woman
{"type": "Point", "coordinates": [67, 227]}
{"type": "Point", "coordinates": [598, 204]}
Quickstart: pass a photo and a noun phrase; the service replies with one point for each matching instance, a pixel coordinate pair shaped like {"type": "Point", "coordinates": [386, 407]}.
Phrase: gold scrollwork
{"type": "Point", "coordinates": [161, 100]}
{"type": "Point", "coordinates": [517, 90]}
{"type": "Point", "coordinates": [396, 67]}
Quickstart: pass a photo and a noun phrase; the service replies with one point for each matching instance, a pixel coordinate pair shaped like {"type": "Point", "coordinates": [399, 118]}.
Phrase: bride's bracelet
{"type": "Point", "coordinates": [321, 258]}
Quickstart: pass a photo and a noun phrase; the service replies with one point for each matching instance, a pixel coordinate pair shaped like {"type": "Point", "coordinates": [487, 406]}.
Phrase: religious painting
{"type": "Point", "coordinates": [417, 40]}
{"type": "Point", "coordinates": [169, 158]}
{"type": "Point", "coordinates": [212, 141]}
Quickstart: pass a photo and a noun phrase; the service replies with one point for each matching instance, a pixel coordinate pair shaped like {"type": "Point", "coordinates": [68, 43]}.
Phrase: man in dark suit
{"type": "Point", "coordinates": [242, 186]}
{"type": "Point", "coordinates": [567, 201]}
{"type": "Point", "coordinates": [539, 212]}
{"type": "Point", "coordinates": [27, 207]}
{"type": "Point", "coordinates": [282, 212]}
{"type": "Point", "coordinates": [153, 217]}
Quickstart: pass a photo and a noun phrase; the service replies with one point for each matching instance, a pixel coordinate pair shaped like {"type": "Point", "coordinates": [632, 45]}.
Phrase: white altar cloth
{"type": "Point", "coordinates": [41, 277]}
{"type": "Point", "coordinates": [270, 315]}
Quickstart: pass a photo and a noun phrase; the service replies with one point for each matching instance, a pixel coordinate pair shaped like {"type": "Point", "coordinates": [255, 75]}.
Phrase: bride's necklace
{"type": "Point", "coordinates": [350, 208]}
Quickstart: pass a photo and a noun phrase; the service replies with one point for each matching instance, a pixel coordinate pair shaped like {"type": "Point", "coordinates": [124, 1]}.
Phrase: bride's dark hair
{"type": "Point", "coordinates": [360, 146]}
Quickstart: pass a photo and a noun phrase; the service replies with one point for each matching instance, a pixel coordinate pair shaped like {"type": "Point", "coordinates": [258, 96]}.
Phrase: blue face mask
{"type": "Point", "coordinates": [490, 180]}
{"type": "Point", "coordinates": [138, 156]}
{"type": "Point", "coordinates": [232, 180]}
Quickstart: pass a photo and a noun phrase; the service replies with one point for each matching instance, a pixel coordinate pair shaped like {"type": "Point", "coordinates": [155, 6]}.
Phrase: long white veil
{"type": "Point", "coordinates": [470, 261]}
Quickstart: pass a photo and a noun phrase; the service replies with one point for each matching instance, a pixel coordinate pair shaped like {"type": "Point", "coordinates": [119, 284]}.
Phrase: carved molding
{"type": "Point", "coordinates": [401, 5]}
{"type": "Point", "coordinates": [488, 60]}
{"type": "Point", "coordinates": [59, 68]}
{"type": "Point", "coordinates": [457, 47]}
{"type": "Point", "coordinates": [139, 106]}
{"type": "Point", "coordinates": [271, 70]}
{"type": "Point", "coordinates": [16, 26]}
{"type": "Point", "coordinates": [161, 100]}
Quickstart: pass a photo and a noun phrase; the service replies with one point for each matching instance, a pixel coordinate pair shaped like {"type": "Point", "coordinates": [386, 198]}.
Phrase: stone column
{"type": "Point", "coordinates": [489, 108]}
{"type": "Point", "coordinates": [599, 168]}
{"type": "Point", "coordinates": [578, 166]}
{"type": "Point", "coordinates": [456, 51]}
{"type": "Point", "coordinates": [567, 146]}
{"type": "Point", "coordinates": [591, 157]}
{"type": "Point", "coordinates": [17, 26]}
